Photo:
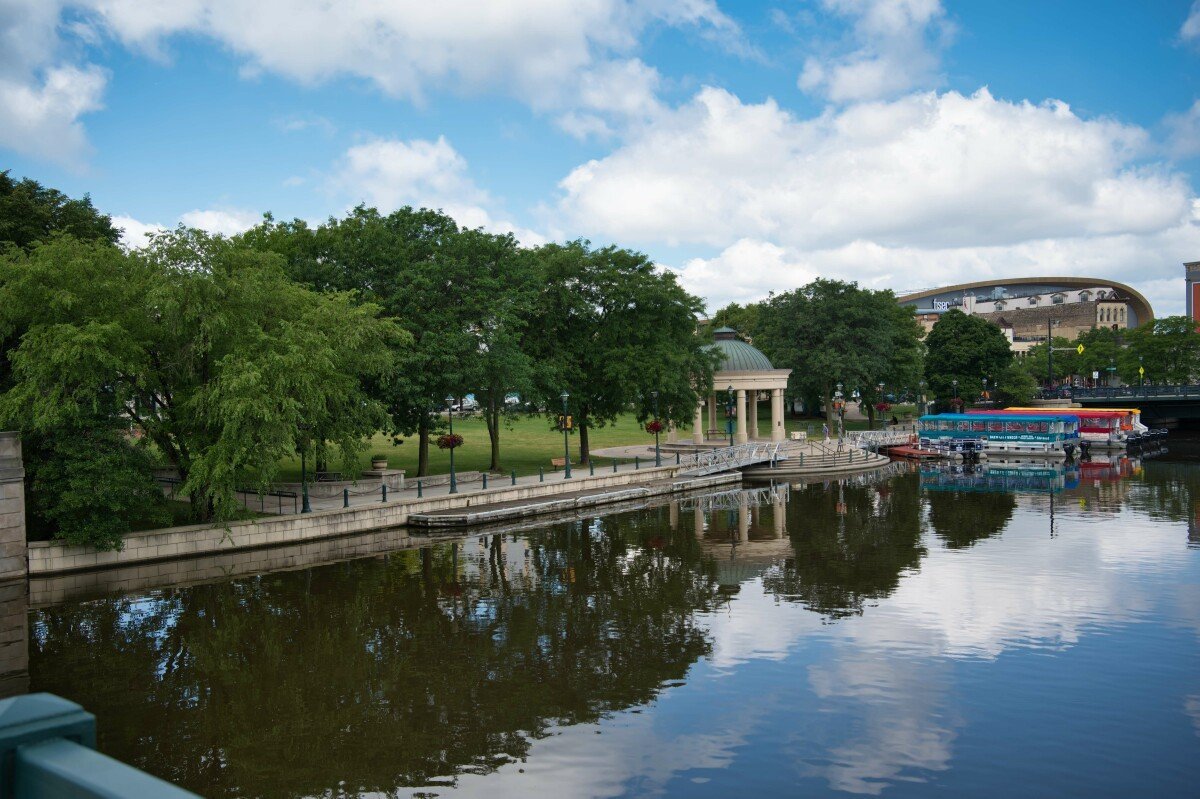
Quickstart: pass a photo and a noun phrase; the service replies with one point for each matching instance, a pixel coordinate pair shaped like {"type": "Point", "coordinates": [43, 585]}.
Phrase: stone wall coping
{"type": "Point", "coordinates": [47, 557]}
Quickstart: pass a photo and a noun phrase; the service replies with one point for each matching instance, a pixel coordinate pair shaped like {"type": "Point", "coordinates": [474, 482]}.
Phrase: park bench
{"type": "Point", "coordinates": [558, 463]}
{"type": "Point", "coordinates": [716, 432]}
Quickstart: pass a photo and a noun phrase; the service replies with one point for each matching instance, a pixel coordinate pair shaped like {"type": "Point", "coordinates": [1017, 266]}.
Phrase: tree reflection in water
{"type": "Point", "coordinates": [852, 542]}
{"type": "Point", "coordinates": [373, 674]}
{"type": "Point", "coordinates": [961, 519]}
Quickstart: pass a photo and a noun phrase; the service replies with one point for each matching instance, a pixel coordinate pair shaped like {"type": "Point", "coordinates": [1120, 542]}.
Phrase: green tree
{"type": "Point", "coordinates": [1015, 386]}
{"type": "Point", "coordinates": [611, 329]}
{"type": "Point", "coordinates": [223, 363]}
{"type": "Point", "coordinates": [89, 483]}
{"type": "Point", "coordinates": [829, 332]}
{"type": "Point", "coordinates": [745, 319]}
{"type": "Point", "coordinates": [1168, 348]}
{"type": "Point", "coordinates": [31, 213]}
{"type": "Point", "coordinates": [1066, 361]}
{"type": "Point", "coordinates": [963, 348]}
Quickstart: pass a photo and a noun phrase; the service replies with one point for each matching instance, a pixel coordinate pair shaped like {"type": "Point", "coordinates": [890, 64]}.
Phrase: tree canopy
{"type": "Point", "coordinates": [967, 349]}
{"type": "Point", "coordinates": [203, 345]}
{"type": "Point", "coordinates": [612, 329]}
{"type": "Point", "coordinates": [829, 332]}
{"type": "Point", "coordinates": [31, 213]}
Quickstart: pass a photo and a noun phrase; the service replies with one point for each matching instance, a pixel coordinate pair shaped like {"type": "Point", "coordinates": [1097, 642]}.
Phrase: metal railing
{"type": "Point", "coordinates": [733, 500]}
{"type": "Point", "coordinates": [1131, 392]}
{"type": "Point", "coordinates": [728, 458]}
{"type": "Point", "coordinates": [872, 440]}
{"type": "Point", "coordinates": [47, 750]}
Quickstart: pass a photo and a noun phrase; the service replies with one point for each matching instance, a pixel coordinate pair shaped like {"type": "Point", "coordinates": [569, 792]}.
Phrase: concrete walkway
{"type": "Point", "coordinates": [362, 497]}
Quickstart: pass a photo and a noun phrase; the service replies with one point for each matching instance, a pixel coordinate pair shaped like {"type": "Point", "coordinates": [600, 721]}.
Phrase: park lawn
{"type": "Point", "coordinates": [525, 445]}
{"type": "Point", "coordinates": [528, 444]}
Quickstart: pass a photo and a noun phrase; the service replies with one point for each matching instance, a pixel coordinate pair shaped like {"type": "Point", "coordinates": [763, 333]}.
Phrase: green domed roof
{"type": "Point", "coordinates": [737, 355]}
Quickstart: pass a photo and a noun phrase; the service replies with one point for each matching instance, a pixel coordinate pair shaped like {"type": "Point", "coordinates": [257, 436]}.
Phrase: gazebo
{"type": "Point", "coordinates": [746, 373]}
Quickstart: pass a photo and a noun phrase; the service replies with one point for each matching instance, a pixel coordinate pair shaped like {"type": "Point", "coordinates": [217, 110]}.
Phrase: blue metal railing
{"type": "Point", "coordinates": [47, 751]}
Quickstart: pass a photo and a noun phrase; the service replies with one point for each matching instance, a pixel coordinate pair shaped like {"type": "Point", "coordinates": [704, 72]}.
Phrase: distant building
{"type": "Point", "coordinates": [1021, 307]}
{"type": "Point", "coordinates": [1191, 274]}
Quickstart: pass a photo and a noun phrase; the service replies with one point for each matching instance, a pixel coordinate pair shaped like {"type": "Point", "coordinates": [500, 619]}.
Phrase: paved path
{"type": "Point", "coordinates": [363, 495]}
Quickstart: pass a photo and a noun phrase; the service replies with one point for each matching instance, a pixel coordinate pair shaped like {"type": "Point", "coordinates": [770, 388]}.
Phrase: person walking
{"type": "Point", "coordinates": [825, 430]}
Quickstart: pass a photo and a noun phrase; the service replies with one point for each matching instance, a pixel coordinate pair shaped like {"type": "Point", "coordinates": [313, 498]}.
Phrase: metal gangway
{"type": "Point", "coordinates": [873, 440]}
{"type": "Point", "coordinates": [733, 500]}
{"type": "Point", "coordinates": [730, 458]}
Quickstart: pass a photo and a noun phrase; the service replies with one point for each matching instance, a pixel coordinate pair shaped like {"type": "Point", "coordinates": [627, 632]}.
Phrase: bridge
{"type": "Point", "coordinates": [730, 458]}
{"type": "Point", "coordinates": [1157, 403]}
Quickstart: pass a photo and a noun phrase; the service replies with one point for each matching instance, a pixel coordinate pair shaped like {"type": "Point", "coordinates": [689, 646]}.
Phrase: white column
{"type": "Point", "coordinates": [698, 424]}
{"type": "Point", "coordinates": [698, 522]}
{"type": "Point", "coordinates": [673, 511]}
{"type": "Point", "coordinates": [743, 523]}
{"type": "Point", "coordinates": [777, 432]}
{"type": "Point", "coordinates": [741, 416]}
{"type": "Point", "coordinates": [672, 433]}
{"type": "Point", "coordinates": [752, 398]}
{"type": "Point", "coordinates": [712, 412]}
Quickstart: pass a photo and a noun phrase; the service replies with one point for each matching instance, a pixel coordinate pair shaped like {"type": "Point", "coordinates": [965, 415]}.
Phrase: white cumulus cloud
{"type": "Point", "coordinates": [390, 173]}
{"type": "Point", "coordinates": [1190, 32]}
{"type": "Point", "coordinates": [225, 221]}
{"type": "Point", "coordinates": [925, 189]}
{"type": "Point", "coordinates": [897, 46]}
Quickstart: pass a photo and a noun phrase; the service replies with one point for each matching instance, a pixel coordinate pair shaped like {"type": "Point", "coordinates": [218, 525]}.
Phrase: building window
{"type": "Point", "coordinates": [1085, 296]}
{"type": "Point", "coordinates": [1122, 314]}
{"type": "Point", "coordinates": [1033, 300]}
{"type": "Point", "coordinates": [1099, 295]}
{"type": "Point", "coordinates": [1001, 305]}
{"type": "Point", "coordinates": [1057, 299]}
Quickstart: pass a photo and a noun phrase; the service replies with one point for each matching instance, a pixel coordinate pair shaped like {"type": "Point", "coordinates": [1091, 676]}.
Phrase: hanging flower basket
{"type": "Point", "coordinates": [655, 427]}
{"type": "Point", "coordinates": [883, 407]}
{"type": "Point", "coordinates": [450, 441]}
{"type": "Point", "coordinates": [957, 403]}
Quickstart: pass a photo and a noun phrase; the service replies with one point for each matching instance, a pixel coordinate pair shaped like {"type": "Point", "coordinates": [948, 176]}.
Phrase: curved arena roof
{"type": "Point", "coordinates": [1140, 306]}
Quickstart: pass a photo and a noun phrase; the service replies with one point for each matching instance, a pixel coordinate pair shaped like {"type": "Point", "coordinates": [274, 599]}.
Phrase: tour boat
{"type": "Point", "coordinates": [1138, 431]}
{"type": "Point", "coordinates": [1098, 428]}
{"type": "Point", "coordinates": [999, 432]}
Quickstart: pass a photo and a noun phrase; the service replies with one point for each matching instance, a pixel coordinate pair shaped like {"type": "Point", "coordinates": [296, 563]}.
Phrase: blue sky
{"type": "Point", "coordinates": [751, 146]}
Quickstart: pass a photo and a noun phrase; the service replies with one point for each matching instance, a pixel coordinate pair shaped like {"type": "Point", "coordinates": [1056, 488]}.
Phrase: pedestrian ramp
{"type": "Point", "coordinates": [732, 458]}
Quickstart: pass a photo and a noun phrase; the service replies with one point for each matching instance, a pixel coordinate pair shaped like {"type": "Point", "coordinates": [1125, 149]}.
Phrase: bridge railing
{"type": "Point", "coordinates": [1130, 392]}
{"type": "Point", "coordinates": [47, 749]}
{"type": "Point", "coordinates": [874, 439]}
{"type": "Point", "coordinates": [732, 457]}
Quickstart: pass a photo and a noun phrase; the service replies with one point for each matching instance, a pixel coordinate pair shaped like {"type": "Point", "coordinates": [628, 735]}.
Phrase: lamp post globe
{"type": "Point", "coordinates": [657, 452]}
{"type": "Point", "coordinates": [450, 414]}
{"type": "Point", "coordinates": [566, 440]}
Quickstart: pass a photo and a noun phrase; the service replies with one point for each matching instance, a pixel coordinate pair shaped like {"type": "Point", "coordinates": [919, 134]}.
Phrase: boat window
{"type": "Point", "coordinates": [978, 427]}
{"type": "Point", "coordinates": [996, 426]}
{"type": "Point", "coordinates": [963, 426]}
{"type": "Point", "coordinates": [1014, 427]}
{"type": "Point", "coordinates": [1038, 427]}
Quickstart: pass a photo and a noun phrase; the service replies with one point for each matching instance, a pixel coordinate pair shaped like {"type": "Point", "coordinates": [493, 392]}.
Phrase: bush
{"type": "Point", "coordinates": [91, 486]}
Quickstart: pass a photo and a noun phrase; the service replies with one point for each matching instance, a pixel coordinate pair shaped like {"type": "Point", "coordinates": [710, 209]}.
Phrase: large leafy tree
{"type": "Point", "coordinates": [461, 294]}
{"type": "Point", "coordinates": [1168, 349]}
{"type": "Point", "coordinates": [31, 213]}
{"type": "Point", "coordinates": [611, 330]}
{"type": "Point", "coordinates": [831, 332]}
{"type": "Point", "coordinates": [206, 347]}
{"type": "Point", "coordinates": [964, 348]}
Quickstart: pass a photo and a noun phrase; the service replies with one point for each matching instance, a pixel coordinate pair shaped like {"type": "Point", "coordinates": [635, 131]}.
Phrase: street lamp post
{"type": "Point", "coordinates": [566, 440]}
{"type": "Point", "coordinates": [729, 420]}
{"type": "Point", "coordinates": [1141, 373]}
{"type": "Point", "coordinates": [657, 452]}
{"type": "Point", "coordinates": [924, 401]}
{"type": "Point", "coordinates": [450, 411]}
{"type": "Point", "coordinates": [954, 383]}
{"type": "Point", "coordinates": [305, 507]}
{"type": "Point", "coordinates": [881, 399]}
{"type": "Point", "coordinates": [1112, 369]}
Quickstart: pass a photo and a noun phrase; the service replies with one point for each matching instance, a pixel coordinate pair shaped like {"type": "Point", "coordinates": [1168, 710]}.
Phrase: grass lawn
{"type": "Point", "coordinates": [529, 443]}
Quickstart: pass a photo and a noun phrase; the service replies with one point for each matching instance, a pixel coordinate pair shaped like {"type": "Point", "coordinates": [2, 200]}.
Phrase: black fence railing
{"type": "Point", "coordinates": [1126, 392]}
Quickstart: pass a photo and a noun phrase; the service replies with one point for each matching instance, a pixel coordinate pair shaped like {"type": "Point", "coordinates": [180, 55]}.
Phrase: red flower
{"type": "Point", "coordinates": [654, 426]}
{"type": "Point", "coordinates": [450, 441]}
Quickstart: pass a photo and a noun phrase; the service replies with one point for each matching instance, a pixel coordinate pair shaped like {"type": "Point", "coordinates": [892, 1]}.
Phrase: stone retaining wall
{"type": "Point", "coordinates": [12, 508]}
{"type": "Point", "coordinates": [50, 557]}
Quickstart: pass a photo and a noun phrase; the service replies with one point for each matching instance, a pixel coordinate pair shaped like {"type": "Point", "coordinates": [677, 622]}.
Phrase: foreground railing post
{"type": "Point", "coordinates": [345, 497]}
{"type": "Point", "coordinates": [46, 749]}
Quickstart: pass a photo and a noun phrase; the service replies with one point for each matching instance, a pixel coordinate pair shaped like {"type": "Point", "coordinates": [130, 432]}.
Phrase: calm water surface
{"type": "Point", "coordinates": [1021, 632]}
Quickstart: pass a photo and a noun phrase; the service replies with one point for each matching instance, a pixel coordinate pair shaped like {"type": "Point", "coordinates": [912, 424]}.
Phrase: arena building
{"type": "Point", "coordinates": [1021, 307]}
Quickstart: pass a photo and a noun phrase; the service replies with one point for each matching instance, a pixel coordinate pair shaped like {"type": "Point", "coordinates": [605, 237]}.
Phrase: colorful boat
{"type": "Point", "coordinates": [999, 432]}
{"type": "Point", "coordinates": [1106, 429]}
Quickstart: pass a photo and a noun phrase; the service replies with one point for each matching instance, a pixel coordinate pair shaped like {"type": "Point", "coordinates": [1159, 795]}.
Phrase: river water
{"type": "Point", "coordinates": [1018, 631]}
